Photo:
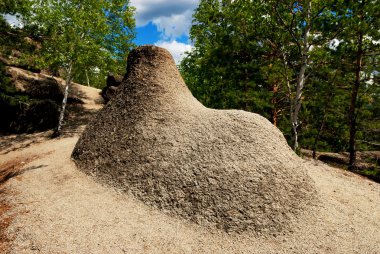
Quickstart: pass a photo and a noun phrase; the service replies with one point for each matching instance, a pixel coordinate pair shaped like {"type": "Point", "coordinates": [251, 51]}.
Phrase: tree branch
{"type": "Point", "coordinates": [287, 27]}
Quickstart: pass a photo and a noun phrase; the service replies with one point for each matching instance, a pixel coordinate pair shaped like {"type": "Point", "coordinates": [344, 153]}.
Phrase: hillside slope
{"type": "Point", "coordinates": [31, 101]}
{"type": "Point", "coordinates": [55, 208]}
{"type": "Point", "coordinates": [58, 209]}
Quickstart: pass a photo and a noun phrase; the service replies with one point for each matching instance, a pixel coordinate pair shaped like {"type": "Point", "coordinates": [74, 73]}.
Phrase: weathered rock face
{"type": "Point", "coordinates": [37, 115]}
{"type": "Point", "coordinates": [43, 96]}
{"type": "Point", "coordinates": [112, 83]}
{"type": "Point", "coordinates": [30, 102]}
{"type": "Point", "coordinates": [114, 80]}
{"type": "Point", "coordinates": [36, 85]}
{"type": "Point", "coordinates": [225, 168]}
{"type": "Point", "coordinates": [108, 93]}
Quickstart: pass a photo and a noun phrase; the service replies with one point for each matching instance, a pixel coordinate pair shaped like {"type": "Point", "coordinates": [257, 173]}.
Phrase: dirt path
{"type": "Point", "coordinates": [58, 209]}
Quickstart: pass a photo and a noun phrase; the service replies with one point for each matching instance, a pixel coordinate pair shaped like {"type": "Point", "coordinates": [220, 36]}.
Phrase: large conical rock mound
{"type": "Point", "coordinates": [226, 168]}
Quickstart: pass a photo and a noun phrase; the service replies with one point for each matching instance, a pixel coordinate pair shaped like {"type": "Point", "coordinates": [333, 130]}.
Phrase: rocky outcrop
{"type": "Point", "coordinates": [36, 85]}
{"type": "Point", "coordinates": [35, 100]}
{"type": "Point", "coordinates": [112, 83]}
{"type": "Point", "coordinates": [114, 80]}
{"type": "Point", "coordinates": [228, 169]}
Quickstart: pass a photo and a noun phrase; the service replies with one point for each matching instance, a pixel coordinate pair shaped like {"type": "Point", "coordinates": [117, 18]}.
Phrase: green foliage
{"type": "Point", "coordinates": [10, 100]}
{"type": "Point", "coordinates": [8, 93]}
{"type": "Point", "coordinates": [324, 113]}
{"type": "Point", "coordinates": [17, 41]}
{"type": "Point", "coordinates": [83, 38]}
{"type": "Point", "coordinates": [223, 71]}
{"type": "Point", "coordinates": [247, 55]}
{"type": "Point", "coordinates": [19, 7]}
{"type": "Point", "coordinates": [359, 39]}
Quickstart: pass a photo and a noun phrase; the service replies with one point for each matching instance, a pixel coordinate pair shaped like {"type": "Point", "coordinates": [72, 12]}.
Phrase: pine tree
{"type": "Point", "coordinates": [360, 41]}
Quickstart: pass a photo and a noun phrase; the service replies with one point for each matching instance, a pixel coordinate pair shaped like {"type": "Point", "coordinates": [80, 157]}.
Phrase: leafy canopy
{"type": "Point", "coordinates": [83, 37]}
{"type": "Point", "coordinates": [248, 55]}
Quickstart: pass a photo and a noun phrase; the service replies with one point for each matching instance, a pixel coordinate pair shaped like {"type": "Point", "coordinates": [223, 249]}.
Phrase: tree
{"type": "Point", "coordinates": [82, 36]}
{"type": "Point", "coordinates": [309, 25]}
{"type": "Point", "coordinates": [323, 114]}
{"type": "Point", "coordinates": [259, 49]}
{"type": "Point", "coordinates": [294, 63]}
{"type": "Point", "coordinates": [223, 70]}
{"type": "Point", "coordinates": [360, 41]}
{"type": "Point", "coordinates": [14, 7]}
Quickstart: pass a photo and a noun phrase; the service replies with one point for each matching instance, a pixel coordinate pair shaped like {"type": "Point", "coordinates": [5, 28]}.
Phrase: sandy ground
{"type": "Point", "coordinates": [58, 209]}
{"type": "Point", "coordinates": [55, 208]}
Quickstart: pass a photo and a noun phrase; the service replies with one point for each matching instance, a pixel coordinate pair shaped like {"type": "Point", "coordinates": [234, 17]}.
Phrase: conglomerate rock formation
{"type": "Point", "coordinates": [225, 168]}
{"type": "Point", "coordinates": [112, 83]}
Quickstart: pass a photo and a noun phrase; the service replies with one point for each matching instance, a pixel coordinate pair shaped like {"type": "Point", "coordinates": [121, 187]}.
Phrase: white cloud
{"type": "Point", "coordinates": [12, 20]}
{"type": "Point", "coordinates": [334, 43]}
{"type": "Point", "coordinates": [177, 49]}
{"type": "Point", "coordinates": [175, 25]}
{"type": "Point", "coordinates": [172, 18]}
{"type": "Point", "coordinates": [371, 40]}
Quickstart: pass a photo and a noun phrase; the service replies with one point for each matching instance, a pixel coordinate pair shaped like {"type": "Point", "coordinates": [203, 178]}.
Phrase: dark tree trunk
{"type": "Point", "coordinates": [354, 96]}
{"type": "Point", "coordinates": [318, 135]}
{"type": "Point", "coordinates": [246, 97]}
{"type": "Point", "coordinates": [274, 103]}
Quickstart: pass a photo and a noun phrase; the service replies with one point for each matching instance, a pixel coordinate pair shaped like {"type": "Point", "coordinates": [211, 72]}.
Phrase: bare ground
{"type": "Point", "coordinates": [49, 206]}
{"type": "Point", "coordinates": [61, 210]}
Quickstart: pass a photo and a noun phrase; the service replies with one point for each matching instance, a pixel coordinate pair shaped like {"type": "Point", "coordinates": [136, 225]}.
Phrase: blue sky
{"type": "Point", "coordinates": [165, 23]}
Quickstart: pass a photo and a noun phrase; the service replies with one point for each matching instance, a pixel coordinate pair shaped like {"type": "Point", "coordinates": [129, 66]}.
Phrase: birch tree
{"type": "Point", "coordinates": [307, 24]}
{"type": "Point", "coordinates": [82, 35]}
{"type": "Point", "coordinates": [261, 48]}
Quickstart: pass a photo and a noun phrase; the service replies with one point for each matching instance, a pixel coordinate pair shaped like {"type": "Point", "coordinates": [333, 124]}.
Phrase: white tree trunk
{"type": "Point", "coordinates": [57, 132]}
{"type": "Point", "coordinates": [297, 101]}
{"type": "Point", "coordinates": [87, 79]}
